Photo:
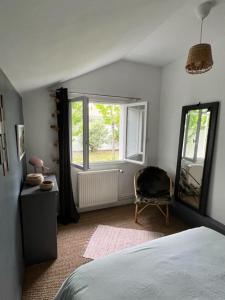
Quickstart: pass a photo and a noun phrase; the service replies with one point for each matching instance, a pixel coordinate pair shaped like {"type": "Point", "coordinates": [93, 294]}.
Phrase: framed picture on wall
{"type": "Point", "coordinates": [20, 141]}
{"type": "Point", "coordinates": [3, 144]}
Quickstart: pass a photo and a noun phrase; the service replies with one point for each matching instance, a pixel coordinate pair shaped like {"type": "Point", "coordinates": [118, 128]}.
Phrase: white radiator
{"type": "Point", "coordinates": [97, 187]}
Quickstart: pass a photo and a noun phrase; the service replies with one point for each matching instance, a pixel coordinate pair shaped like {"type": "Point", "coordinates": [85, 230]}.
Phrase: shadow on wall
{"type": "Point", "coordinates": [11, 260]}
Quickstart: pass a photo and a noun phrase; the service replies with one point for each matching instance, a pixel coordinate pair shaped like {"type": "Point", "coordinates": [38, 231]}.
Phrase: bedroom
{"type": "Point", "coordinates": [79, 46]}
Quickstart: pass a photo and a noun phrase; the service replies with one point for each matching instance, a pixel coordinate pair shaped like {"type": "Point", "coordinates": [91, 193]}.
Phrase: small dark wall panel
{"type": "Point", "coordinates": [11, 258]}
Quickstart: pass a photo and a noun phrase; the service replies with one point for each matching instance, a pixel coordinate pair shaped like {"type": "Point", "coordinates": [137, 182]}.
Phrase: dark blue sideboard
{"type": "Point", "coordinates": [39, 222]}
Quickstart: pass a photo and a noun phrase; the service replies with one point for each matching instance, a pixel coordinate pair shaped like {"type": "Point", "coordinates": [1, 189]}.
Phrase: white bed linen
{"type": "Point", "coordinates": [182, 266]}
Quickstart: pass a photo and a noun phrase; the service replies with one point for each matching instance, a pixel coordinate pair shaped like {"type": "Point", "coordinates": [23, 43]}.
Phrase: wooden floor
{"type": "Point", "coordinates": [43, 280]}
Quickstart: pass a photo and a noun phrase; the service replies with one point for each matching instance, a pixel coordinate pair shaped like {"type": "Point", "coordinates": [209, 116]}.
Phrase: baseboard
{"type": "Point", "coordinates": [194, 219]}
{"type": "Point", "coordinates": [123, 200]}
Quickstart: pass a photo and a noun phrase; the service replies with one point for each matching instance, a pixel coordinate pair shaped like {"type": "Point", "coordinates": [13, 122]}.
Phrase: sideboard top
{"type": "Point", "coordinates": [28, 190]}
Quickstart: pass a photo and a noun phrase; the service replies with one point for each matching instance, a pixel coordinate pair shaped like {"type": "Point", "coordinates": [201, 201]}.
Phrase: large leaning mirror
{"type": "Point", "coordinates": [197, 136]}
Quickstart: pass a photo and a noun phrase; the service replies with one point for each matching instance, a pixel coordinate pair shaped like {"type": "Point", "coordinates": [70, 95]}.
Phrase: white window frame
{"type": "Point", "coordinates": [107, 162]}
{"type": "Point", "coordinates": [85, 101]}
{"type": "Point", "coordinates": [86, 164]}
{"type": "Point", "coordinates": [196, 142]}
{"type": "Point", "coordinates": [144, 114]}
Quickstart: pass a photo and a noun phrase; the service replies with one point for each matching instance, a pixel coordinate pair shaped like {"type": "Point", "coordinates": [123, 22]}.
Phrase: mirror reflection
{"type": "Point", "coordinates": [193, 156]}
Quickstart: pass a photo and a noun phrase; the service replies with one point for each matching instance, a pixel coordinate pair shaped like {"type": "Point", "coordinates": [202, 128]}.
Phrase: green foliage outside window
{"type": "Point", "coordinates": [102, 130]}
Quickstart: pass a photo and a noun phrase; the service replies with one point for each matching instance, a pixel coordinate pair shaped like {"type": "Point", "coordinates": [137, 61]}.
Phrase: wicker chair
{"type": "Point", "coordinates": [152, 186]}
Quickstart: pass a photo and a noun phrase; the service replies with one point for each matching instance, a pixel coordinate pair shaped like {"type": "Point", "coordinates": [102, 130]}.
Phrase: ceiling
{"type": "Point", "coordinates": [45, 42]}
{"type": "Point", "coordinates": [174, 37]}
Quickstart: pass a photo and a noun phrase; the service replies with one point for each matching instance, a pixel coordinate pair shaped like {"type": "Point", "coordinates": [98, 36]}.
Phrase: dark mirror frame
{"type": "Point", "coordinates": [213, 108]}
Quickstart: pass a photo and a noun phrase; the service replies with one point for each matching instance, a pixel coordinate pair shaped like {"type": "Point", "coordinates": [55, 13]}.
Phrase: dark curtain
{"type": "Point", "coordinates": [68, 212]}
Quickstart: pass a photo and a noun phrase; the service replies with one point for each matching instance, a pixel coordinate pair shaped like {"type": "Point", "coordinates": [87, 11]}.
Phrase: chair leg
{"type": "Point", "coordinates": [167, 214]}
{"type": "Point", "coordinates": [136, 213]}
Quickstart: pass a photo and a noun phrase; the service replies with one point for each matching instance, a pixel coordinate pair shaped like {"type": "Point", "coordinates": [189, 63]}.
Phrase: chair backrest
{"type": "Point", "coordinates": [152, 182]}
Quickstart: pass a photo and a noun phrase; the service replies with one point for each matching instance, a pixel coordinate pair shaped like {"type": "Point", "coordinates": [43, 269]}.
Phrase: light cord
{"type": "Point", "coordinates": [201, 30]}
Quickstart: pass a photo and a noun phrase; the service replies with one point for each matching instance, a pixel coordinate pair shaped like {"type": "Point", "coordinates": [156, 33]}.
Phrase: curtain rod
{"type": "Point", "coordinates": [102, 95]}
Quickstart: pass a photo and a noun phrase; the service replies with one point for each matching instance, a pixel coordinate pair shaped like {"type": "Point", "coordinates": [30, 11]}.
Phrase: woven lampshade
{"type": "Point", "coordinates": [199, 59]}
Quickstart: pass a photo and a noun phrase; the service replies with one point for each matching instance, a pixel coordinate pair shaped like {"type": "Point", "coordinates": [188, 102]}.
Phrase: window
{"type": "Point", "coordinates": [104, 132]}
{"type": "Point", "coordinates": [196, 133]}
{"type": "Point", "coordinates": [136, 132]}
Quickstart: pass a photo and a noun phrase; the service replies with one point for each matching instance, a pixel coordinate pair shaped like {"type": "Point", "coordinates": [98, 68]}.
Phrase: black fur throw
{"type": "Point", "coordinates": [153, 182]}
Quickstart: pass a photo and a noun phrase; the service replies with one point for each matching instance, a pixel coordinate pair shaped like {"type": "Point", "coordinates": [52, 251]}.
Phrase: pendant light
{"type": "Point", "coordinates": [200, 56]}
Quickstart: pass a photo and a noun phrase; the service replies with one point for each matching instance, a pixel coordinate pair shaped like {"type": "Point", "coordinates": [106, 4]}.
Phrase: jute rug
{"type": "Point", "coordinates": [42, 281]}
{"type": "Point", "coordinates": [108, 239]}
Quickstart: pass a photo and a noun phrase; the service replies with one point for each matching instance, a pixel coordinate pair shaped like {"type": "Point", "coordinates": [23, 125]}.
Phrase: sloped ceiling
{"type": "Point", "coordinates": [44, 42]}
{"type": "Point", "coordinates": [48, 41]}
{"type": "Point", "coordinates": [179, 32]}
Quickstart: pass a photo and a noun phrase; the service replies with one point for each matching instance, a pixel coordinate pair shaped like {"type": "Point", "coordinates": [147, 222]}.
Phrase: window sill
{"type": "Point", "coordinates": [100, 165]}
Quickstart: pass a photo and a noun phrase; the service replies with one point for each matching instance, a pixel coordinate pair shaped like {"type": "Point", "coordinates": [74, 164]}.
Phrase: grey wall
{"type": "Point", "coordinates": [179, 88]}
{"type": "Point", "coordinates": [11, 262]}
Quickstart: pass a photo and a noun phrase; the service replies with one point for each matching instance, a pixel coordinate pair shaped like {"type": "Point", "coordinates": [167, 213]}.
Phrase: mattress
{"type": "Point", "coordinates": [186, 265]}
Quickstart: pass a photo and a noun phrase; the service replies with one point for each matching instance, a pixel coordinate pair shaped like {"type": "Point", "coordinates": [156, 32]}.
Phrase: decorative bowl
{"type": "Point", "coordinates": [34, 179]}
{"type": "Point", "coordinates": [46, 185]}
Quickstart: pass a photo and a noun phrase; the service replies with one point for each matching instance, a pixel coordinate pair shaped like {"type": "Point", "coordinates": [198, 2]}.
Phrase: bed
{"type": "Point", "coordinates": [186, 265]}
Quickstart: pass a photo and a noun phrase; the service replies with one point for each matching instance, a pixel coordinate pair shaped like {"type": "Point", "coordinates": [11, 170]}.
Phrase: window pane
{"type": "Point", "coordinates": [135, 132]}
{"type": "Point", "coordinates": [77, 132]}
{"type": "Point", "coordinates": [104, 132]}
{"type": "Point", "coordinates": [203, 134]}
{"type": "Point", "coordinates": [191, 133]}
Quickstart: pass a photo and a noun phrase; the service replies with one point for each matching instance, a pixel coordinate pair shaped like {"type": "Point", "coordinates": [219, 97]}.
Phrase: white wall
{"type": "Point", "coordinates": [178, 89]}
{"type": "Point", "coordinates": [122, 78]}
{"type": "Point", "coordinates": [125, 78]}
{"type": "Point", "coordinates": [39, 137]}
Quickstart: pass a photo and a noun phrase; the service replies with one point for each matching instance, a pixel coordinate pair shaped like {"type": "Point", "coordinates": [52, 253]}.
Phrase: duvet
{"type": "Point", "coordinates": [185, 266]}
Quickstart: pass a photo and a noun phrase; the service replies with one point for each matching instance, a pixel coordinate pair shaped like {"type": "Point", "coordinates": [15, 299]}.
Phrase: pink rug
{"type": "Point", "coordinates": [108, 239]}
